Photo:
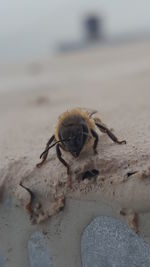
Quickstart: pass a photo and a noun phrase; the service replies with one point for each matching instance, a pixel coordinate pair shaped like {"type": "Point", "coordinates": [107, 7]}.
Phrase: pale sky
{"type": "Point", "coordinates": [32, 27]}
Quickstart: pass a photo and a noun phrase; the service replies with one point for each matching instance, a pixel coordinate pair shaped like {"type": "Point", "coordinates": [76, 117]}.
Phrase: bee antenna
{"type": "Point", "coordinates": [47, 149]}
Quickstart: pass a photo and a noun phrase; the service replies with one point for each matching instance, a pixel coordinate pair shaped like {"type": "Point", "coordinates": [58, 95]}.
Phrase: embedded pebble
{"type": "Point", "coordinates": [39, 254]}
{"type": "Point", "coordinates": [108, 242]}
{"type": "Point", "coordinates": [1, 261]}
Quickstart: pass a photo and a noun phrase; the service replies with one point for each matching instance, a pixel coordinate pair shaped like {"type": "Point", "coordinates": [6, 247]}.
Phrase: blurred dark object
{"type": "Point", "coordinates": [92, 32]}
{"type": "Point", "coordinates": [93, 27]}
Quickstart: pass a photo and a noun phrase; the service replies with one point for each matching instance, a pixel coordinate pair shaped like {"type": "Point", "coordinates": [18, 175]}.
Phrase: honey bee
{"type": "Point", "coordinates": [76, 129]}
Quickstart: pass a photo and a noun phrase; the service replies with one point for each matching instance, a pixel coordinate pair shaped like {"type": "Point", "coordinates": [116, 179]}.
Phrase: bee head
{"type": "Point", "coordinates": [74, 133]}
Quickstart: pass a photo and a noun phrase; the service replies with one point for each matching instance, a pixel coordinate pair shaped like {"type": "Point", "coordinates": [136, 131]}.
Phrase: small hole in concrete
{"type": "Point", "coordinates": [90, 174]}
{"type": "Point", "coordinates": [131, 173]}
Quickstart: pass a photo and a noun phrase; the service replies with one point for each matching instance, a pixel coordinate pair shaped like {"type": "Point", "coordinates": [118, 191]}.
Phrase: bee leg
{"type": "Point", "coordinates": [44, 156]}
{"type": "Point", "coordinates": [104, 129]}
{"type": "Point", "coordinates": [95, 135]}
{"type": "Point", "coordinates": [58, 151]}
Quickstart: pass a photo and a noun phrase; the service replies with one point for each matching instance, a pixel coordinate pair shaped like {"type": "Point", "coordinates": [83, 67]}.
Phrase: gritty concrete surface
{"type": "Point", "coordinates": [39, 253]}
{"type": "Point", "coordinates": [113, 80]}
{"type": "Point", "coordinates": [107, 242]}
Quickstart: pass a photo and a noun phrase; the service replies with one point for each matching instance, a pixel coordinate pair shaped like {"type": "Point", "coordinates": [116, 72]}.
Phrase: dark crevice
{"type": "Point", "coordinates": [90, 174]}
{"type": "Point", "coordinates": [131, 173]}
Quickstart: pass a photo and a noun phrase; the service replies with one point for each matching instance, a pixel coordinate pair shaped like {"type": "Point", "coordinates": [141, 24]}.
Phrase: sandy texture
{"type": "Point", "coordinates": [124, 173]}
{"type": "Point", "coordinates": [114, 81]}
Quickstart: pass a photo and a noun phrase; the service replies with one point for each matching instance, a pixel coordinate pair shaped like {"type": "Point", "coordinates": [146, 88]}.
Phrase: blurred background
{"type": "Point", "coordinates": [31, 29]}
{"type": "Point", "coordinates": [58, 54]}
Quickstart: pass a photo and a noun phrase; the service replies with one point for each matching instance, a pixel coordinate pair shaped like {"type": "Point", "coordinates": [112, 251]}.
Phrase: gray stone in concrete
{"type": "Point", "coordinates": [8, 203]}
{"type": "Point", "coordinates": [108, 242]}
{"type": "Point", "coordinates": [39, 254]}
{"type": "Point", "coordinates": [1, 260]}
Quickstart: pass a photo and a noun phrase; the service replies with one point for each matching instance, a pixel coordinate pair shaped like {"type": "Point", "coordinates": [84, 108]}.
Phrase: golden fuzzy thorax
{"type": "Point", "coordinates": [75, 112]}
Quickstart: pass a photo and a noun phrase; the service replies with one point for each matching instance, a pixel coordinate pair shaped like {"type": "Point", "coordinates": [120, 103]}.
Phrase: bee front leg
{"type": "Point", "coordinates": [104, 129]}
{"type": "Point", "coordinates": [95, 135]}
{"type": "Point", "coordinates": [45, 153]}
{"type": "Point", "coordinates": [58, 151]}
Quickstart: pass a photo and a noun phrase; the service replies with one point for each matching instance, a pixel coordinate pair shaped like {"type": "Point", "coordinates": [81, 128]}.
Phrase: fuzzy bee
{"type": "Point", "coordinates": [75, 130]}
